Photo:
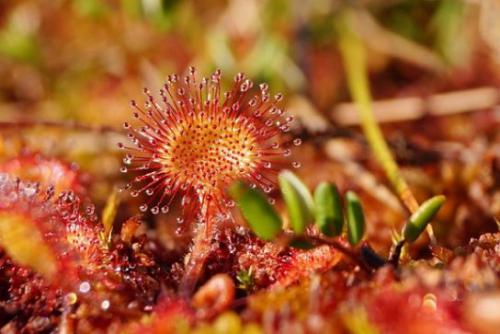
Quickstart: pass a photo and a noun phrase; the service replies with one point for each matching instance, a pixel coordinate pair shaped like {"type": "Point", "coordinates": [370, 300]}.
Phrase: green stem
{"type": "Point", "coordinates": [354, 58]}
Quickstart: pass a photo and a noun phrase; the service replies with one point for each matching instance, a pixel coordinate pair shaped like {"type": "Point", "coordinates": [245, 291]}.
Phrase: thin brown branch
{"type": "Point", "coordinates": [396, 253]}
{"type": "Point", "coordinates": [65, 125]}
{"type": "Point", "coordinates": [412, 108]}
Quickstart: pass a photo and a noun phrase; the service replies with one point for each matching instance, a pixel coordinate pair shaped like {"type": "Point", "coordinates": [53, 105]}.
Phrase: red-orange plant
{"type": "Point", "coordinates": [47, 171]}
{"type": "Point", "coordinates": [46, 231]}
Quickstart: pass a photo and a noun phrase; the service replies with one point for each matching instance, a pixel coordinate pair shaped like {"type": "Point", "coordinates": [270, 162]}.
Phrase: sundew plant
{"type": "Point", "coordinates": [348, 182]}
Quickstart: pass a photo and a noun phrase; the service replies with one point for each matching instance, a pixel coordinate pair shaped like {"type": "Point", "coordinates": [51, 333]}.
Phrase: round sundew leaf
{"type": "Point", "coordinates": [355, 218]}
{"type": "Point", "coordinates": [328, 209]}
{"type": "Point", "coordinates": [298, 200]}
{"type": "Point", "coordinates": [420, 218]}
{"type": "Point", "coordinates": [259, 214]}
{"type": "Point", "coordinates": [25, 244]}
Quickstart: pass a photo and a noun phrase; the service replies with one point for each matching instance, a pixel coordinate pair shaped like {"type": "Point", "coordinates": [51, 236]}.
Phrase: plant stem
{"type": "Point", "coordinates": [396, 253]}
{"type": "Point", "coordinates": [354, 58]}
{"type": "Point", "coordinates": [202, 244]}
{"type": "Point", "coordinates": [195, 261]}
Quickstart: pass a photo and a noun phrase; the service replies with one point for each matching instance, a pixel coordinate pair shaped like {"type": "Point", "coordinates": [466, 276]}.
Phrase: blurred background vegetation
{"type": "Point", "coordinates": [84, 59]}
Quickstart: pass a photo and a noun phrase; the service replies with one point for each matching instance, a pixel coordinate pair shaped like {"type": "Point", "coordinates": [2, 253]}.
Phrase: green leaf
{"type": "Point", "coordinates": [259, 214]}
{"type": "Point", "coordinates": [298, 200]}
{"type": "Point", "coordinates": [355, 218]}
{"type": "Point", "coordinates": [424, 214]}
{"type": "Point", "coordinates": [328, 209]}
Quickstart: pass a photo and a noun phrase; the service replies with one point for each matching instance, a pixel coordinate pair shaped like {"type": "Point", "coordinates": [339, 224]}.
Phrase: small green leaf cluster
{"type": "Point", "coordinates": [331, 213]}
{"type": "Point", "coordinates": [325, 209]}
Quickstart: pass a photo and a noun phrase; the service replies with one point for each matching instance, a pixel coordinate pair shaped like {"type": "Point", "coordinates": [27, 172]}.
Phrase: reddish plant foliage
{"type": "Point", "coordinates": [27, 301]}
{"type": "Point", "coordinates": [71, 236]}
{"type": "Point", "coordinates": [47, 171]}
{"type": "Point", "coordinates": [271, 265]}
{"type": "Point", "coordinates": [104, 283]}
